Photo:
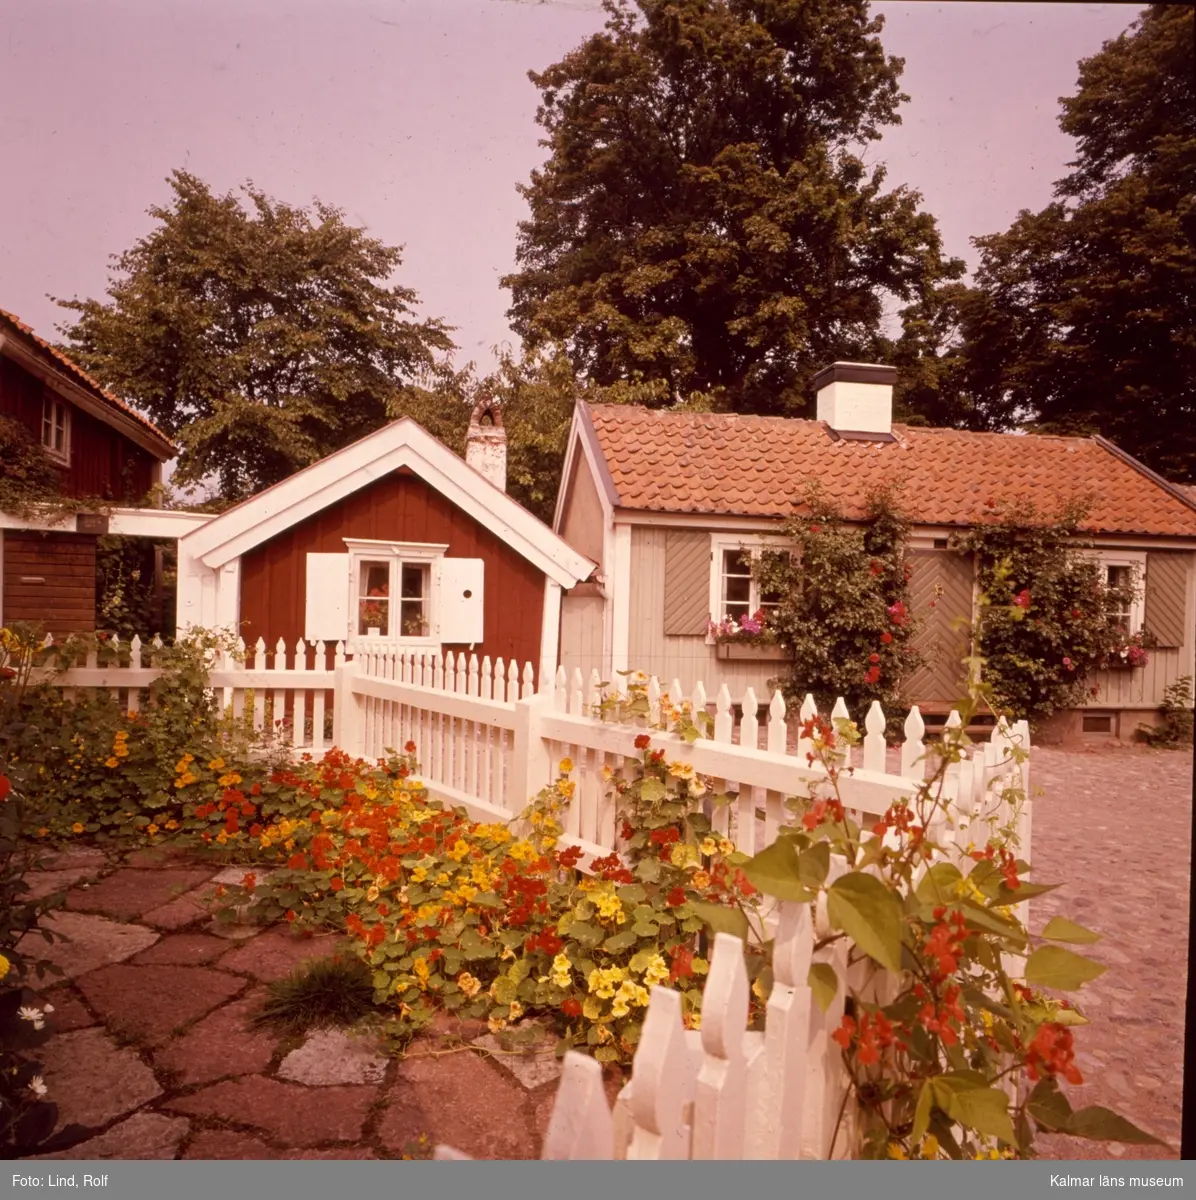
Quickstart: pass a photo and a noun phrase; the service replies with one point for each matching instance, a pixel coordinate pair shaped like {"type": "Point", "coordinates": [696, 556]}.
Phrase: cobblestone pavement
{"type": "Point", "coordinates": [1112, 825]}
{"type": "Point", "coordinates": [154, 1058]}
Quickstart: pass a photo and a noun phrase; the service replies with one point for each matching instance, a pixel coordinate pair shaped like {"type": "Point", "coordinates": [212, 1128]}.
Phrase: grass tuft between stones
{"type": "Point", "coordinates": [330, 992]}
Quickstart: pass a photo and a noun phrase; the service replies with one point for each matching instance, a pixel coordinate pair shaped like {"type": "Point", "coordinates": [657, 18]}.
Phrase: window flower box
{"type": "Point", "coordinates": [761, 651]}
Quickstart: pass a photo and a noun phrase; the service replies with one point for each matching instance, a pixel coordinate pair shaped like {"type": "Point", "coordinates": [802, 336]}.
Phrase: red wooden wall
{"type": "Point", "coordinates": [104, 463]}
{"type": "Point", "coordinates": [50, 580]}
{"type": "Point", "coordinates": [399, 506]}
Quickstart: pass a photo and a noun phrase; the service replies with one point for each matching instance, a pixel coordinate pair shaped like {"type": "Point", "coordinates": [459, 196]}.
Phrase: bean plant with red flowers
{"type": "Point", "coordinates": [960, 1026]}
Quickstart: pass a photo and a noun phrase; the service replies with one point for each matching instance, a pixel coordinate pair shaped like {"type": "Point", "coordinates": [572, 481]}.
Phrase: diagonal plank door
{"type": "Point", "coordinates": [940, 595]}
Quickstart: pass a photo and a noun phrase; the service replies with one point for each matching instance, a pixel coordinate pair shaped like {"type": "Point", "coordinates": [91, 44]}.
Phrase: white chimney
{"type": "Point", "coordinates": [857, 399]}
{"type": "Point", "coordinates": [486, 443]}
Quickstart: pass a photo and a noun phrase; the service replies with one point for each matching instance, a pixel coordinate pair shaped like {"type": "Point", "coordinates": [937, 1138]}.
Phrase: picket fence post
{"type": "Point", "coordinates": [530, 768]}
{"type": "Point", "coordinates": [348, 713]}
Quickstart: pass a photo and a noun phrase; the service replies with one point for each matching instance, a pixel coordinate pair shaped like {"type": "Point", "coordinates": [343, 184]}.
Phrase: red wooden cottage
{"type": "Point", "coordinates": [103, 451]}
{"type": "Point", "coordinates": [393, 543]}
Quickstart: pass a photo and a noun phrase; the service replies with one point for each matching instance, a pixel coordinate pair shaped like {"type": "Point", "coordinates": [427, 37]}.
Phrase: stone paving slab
{"type": "Point", "coordinates": [183, 950]}
{"type": "Point", "coordinates": [87, 942]}
{"type": "Point", "coordinates": [472, 1105]}
{"type": "Point", "coordinates": [292, 1114]}
{"type": "Point", "coordinates": [92, 1080]}
{"type": "Point", "coordinates": [220, 1045]}
{"type": "Point", "coordinates": [277, 952]}
{"type": "Point", "coordinates": [183, 910]}
{"type": "Point", "coordinates": [128, 893]}
{"type": "Point", "coordinates": [144, 1136]}
{"type": "Point", "coordinates": [333, 1056]}
{"type": "Point", "coordinates": [149, 1003]}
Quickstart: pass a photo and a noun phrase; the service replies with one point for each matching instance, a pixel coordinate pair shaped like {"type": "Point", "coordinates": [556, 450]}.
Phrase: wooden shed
{"type": "Point", "coordinates": [393, 543]}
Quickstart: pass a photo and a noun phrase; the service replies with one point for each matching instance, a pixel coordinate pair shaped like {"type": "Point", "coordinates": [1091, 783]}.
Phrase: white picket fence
{"type": "Point", "coordinates": [488, 738]}
{"type": "Point", "coordinates": [722, 1092]}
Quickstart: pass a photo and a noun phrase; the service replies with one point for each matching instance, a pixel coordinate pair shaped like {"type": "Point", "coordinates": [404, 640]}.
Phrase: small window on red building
{"type": "Point", "coordinates": [56, 429]}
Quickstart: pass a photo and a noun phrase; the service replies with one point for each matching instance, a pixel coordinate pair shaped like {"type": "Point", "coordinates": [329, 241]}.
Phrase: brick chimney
{"type": "Point", "coordinates": [856, 400]}
{"type": "Point", "coordinates": [486, 442]}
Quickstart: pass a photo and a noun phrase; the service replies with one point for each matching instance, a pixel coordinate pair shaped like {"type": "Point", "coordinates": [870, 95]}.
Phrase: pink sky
{"type": "Point", "coordinates": [416, 117]}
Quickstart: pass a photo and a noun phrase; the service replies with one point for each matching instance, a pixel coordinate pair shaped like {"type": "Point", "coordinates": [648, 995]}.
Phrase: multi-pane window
{"type": "Point", "coordinates": [56, 428]}
{"type": "Point", "coordinates": [1121, 577]}
{"type": "Point", "coordinates": [391, 591]}
{"type": "Point", "coordinates": [740, 593]}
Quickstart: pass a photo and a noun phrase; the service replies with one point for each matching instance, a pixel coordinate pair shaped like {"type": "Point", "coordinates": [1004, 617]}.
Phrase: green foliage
{"type": "Point", "coordinates": [948, 997]}
{"type": "Point", "coordinates": [127, 594]}
{"type": "Point", "coordinates": [1048, 615]}
{"type": "Point", "coordinates": [844, 608]}
{"type": "Point", "coordinates": [704, 222]}
{"type": "Point", "coordinates": [263, 337]}
{"type": "Point", "coordinates": [328, 992]}
{"type": "Point", "coordinates": [87, 767]}
{"type": "Point", "coordinates": [1175, 729]}
{"type": "Point", "coordinates": [30, 483]}
{"type": "Point", "coordinates": [27, 1119]}
{"type": "Point", "coordinates": [1078, 321]}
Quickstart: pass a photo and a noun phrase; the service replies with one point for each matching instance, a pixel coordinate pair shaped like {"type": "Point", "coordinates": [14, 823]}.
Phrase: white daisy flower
{"type": "Point", "coordinates": [33, 1015]}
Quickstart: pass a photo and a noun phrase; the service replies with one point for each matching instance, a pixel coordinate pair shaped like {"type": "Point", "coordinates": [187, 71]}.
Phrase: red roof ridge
{"type": "Point", "coordinates": [89, 380]}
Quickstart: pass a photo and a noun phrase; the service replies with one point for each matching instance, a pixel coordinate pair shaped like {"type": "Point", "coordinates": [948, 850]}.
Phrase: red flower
{"type": "Point", "coordinates": [845, 1033]}
{"type": "Point", "coordinates": [815, 528]}
{"type": "Point", "coordinates": [249, 882]}
{"type": "Point", "coordinates": [897, 613]}
{"type": "Point", "coordinates": [886, 638]}
{"type": "Point", "coordinates": [5, 787]}
{"type": "Point", "coordinates": [876, 568]}
{"type": "Point", "coordinates": [682, 965]}
{"type": "Point", "coordinates": [571, 1007]}
{"type": "Point", "coordinates": [297, 862]}
{"type": "Point", "coordinates": [336, 885]}
{"type": "Point", "coordinates": [409, 748]}
{"type": "Point", "coordinates": [1022, 599]}
{"type": "Point", "coordinates": [291, 914]}
{"type": "Point", "coordinates": [642, 741]}
{"type": "Point", "coordinates": [872, 675]}
{"type": "Point", "coordinates": [676, 897]}
{"type": "Point", "coordinates": [874, 658]}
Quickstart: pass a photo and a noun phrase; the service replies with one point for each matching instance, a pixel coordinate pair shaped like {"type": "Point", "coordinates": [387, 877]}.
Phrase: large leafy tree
{"type": "Point", "coordinates": [262, 336]}
{"type": "Point", "coordinates": [1081, 317]}
{"type": "Point", "coordinates": [705, 222]}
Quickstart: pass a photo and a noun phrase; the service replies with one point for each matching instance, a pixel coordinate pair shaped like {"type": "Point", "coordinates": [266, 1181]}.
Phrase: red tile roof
{"type": "Point", "coordinates": [756, 466]}
{"type": "Point", "coordinates": [60, 360]}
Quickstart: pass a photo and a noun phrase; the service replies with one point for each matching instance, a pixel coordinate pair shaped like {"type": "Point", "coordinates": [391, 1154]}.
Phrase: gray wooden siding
{"type": "Point", "coordinates": [581, 521]}
{"type": "Point", "coordinates": [1144, 688]}
{"type": "Point", "coordinates": [690, 659]}
{"type": "Point", "coordinates": [582, 622]}
{"type": "Point", "coordinates": [686, 582]}
{"type": "Point", "coordinates": [687, 659]}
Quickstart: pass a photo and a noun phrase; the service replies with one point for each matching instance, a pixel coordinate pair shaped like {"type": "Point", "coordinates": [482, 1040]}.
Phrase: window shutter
{"type": "Point", "coordinates": [686, 582]}
{"type": "Point", "coordinates": [327, 598]}
{"type": "Point", "coordinates": [1166, 592]}
{"type": "Point", "coordinates": [458, 600]}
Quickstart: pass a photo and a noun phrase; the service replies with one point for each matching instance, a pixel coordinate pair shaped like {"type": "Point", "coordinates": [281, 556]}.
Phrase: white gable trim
{"type": "Point", "coordinates": [401, 444]}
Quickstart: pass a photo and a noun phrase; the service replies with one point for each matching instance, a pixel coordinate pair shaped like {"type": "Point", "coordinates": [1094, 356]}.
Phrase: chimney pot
{"type": "Point", "coordinates": [486, 442]}
{"type": "Point", "coordinates": [857, 398]}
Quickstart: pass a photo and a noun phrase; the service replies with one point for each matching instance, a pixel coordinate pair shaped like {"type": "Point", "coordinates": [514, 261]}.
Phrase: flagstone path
{"type": "Point", "coordinates": [153, 1055]}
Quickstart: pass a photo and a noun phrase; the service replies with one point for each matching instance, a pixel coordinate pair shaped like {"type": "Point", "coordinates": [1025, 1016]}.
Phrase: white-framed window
{"type": "Point", "coordinates": [1126, 569]}
{"type": "Point", "coordinates": [388, 594]}
{"type": "Point", "coordinates": [56, 429]}
{"type": "Point", "coordinates": [734, 591]}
